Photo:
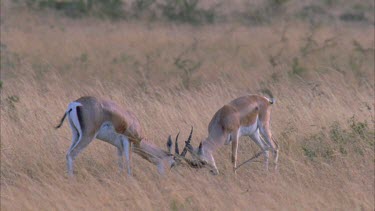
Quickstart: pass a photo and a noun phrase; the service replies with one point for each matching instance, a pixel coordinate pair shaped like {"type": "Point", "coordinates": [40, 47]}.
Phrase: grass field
{"type": "Point", "coordinates": [174, 75]}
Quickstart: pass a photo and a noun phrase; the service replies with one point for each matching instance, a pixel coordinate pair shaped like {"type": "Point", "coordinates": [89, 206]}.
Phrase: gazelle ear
{"type": "Point", "coordinates": [200, 150]}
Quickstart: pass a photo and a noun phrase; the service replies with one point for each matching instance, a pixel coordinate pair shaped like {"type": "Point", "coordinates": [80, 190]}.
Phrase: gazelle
{"type": "Point", "coordinates": [91, 117]}
{"type": "Point", "coordinates": [245, 116]}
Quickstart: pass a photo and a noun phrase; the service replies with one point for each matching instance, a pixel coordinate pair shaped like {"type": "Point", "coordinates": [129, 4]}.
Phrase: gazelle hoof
{"type": "Point", "coordinates": [214, 172]}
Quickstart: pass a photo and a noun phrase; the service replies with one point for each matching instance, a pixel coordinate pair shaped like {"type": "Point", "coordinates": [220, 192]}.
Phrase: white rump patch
{"type": "Point", "coordinates": [73, 105]}
{"type": "Point", "coordinates": [74, 119]}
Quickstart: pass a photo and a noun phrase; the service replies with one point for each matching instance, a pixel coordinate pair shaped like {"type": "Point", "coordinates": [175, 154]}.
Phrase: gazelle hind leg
{"type": "Point", "coordinates": [120, 160]}
{"type": "Point", "coordinates": [75, 134]}
{"type": "Point", "coordinates": [257, 139]}
{"type": "Point", "coordinates": [126, 151]}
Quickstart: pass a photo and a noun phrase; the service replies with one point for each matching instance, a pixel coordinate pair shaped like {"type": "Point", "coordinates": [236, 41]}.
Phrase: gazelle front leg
{"type": "Point", "coordinates": [234, 150]}
{"type": "Point", "coordinates": [76, 149]}
{"type": "Point", "coordinates": [269, 141]}
{"type": "Point", "coordinates": [211, 161]}
{"type": "Point", "coordinates": [108, 134]}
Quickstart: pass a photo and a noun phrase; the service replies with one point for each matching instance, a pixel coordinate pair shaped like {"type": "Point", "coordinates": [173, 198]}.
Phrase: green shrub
{"type": "Point", "coordinates": [353, 16]}
{"type": "Point", "coordinates": [297, 69]}
{"type": "Point", "coordinates": [77, 8]}
{"type": "Point", "coordinates": [141, 7]}
{"type": "Point", "coordinates": [12, 100]}
{"type": "Point", "coordinates": [314, 14]}
{"type": "Point", "coordinates": [355, 140]}
{"type": "Point", "coordinates": [188, 67]}
{"type": "Point", "coordinates": [359, 128]}
{"type": "Point", "coordinates": [187, 11]}
{"type": "Point", "coordinates": [310, 153]}
{"type": "Point", "coordinates": [337, 134]}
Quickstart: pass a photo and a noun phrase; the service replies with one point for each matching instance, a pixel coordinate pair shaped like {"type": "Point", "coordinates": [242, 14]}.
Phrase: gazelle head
{"type": "Point", "coordinates": [203, 156]}
{"type": "Point", "coordinates": [179, 157]}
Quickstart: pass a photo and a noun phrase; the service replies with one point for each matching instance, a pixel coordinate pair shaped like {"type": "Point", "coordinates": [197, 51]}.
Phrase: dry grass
{"type": "Point", "coordinates": [48, 61]}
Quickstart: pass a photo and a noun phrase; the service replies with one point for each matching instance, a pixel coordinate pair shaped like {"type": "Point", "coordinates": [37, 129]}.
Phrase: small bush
{"type": "Point", "coordinates": [353, 16]}
{"type": "Point", "coordinates": [315, 146]}
{"type": "Point", "coordinates": [337, 134]}
{"type": "Point", "coordinates": [188, 67]}
{"type": "Point", "coordinates": [187, 11]}
{"type": "Point", "coordinates": [278, 2]}
{"type": "Point", "coordinates": [264, 13]}
{"type": "Point", "coordinates": [110, 8]}
{"type": "Point", "coordinates": [339, 140]}
{"type": "Point", "coordinates": [359, 128]}
{"type": "Point", "coordinates": [297, 69]}
{"type": "Point", "coordinates": [314, 14]}
{"type": "Point", "coordinates": [144, 8]}
{"type": "Point", "coordinates": [12, 100]}
{"type": "Point", "coordinates": [310, 153]}
{"type": "Point", "coordinates": [9, 60]}
{"type": "Point", "coordinates": [77, 8]}
{"type": "Point", "coordinates": [83, 58]}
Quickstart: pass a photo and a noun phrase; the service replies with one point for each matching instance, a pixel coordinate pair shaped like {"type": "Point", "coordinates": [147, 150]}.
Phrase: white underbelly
{"type": "Point", "coordinates": [247, 130]}
{"type": "Point", "coordinates": [107, 132]}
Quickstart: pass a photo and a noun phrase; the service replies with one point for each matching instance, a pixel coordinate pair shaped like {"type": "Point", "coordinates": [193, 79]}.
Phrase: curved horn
{"type": "Point", "coordinates": [200, 148]}
{"type": "Point", "coordinates": [169, 144]}
{"type": "Point", "coordinates": [177, 151]}
{"type": "Point", "coordinates": [190, 135]}
{"type": "Point", "coordinates": [187, 143]}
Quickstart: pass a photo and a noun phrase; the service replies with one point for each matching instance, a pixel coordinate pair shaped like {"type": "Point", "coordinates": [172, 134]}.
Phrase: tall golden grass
{"type": "Point", "coordinates": [49, 61]}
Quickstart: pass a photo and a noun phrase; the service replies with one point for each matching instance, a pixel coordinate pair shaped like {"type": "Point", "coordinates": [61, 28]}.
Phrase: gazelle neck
{"type": "Point", "coordinates": [209, 145]}
{"type": "Point", "coordinates": [154, 154]}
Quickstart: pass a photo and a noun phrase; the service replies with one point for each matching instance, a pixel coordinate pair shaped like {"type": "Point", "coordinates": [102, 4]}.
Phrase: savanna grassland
{"type": "Point", "coordinates": [317, 57]}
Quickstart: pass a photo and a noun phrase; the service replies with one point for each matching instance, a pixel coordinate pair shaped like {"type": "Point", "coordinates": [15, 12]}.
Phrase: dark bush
{"type": "Point", "coordinates": [77, 8]}
{"type": "Point", "coordinates": [187, 11]}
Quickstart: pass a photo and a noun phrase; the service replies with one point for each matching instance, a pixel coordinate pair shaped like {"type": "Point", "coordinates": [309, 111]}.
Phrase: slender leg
{"type": "Point", "coordinates": [234, 150]}
{"type": "Point", "coordinates": [211, 160]}
{"type": "Point", "coordinates": [126, 151]}
{"type": "Point", "coordinates": [276, 155]}
{"type": "Point", "coordinates": [266, 133]}
{"type": "Point", "coordinates": [83, 141]}
{"type": "Point", "coordinates": [75, 134]}
{"type": "Point", "coordinates": [228, 140]}
{"type": "Point", "coordinates": [256, 138]}
{"type": "Point", "coordinates": [108, 134]}
{"type": "Point", "coordinates": [75, 139]}
{"type": "Point", "coordinates": [120, 158]}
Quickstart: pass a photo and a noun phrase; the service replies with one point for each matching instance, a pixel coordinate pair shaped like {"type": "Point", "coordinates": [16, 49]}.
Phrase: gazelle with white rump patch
{"type": "Point", "coordinates": [91, 117]}
{"type": "Point", "coordinates": [245, 116]}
